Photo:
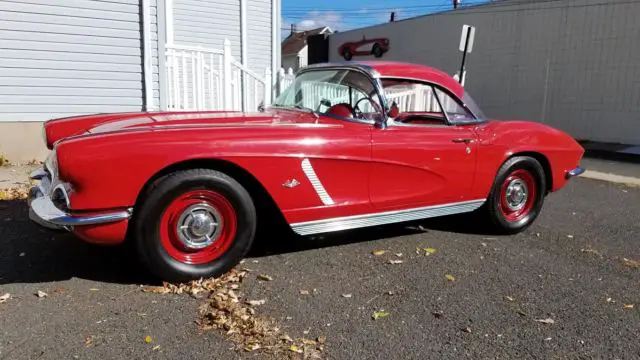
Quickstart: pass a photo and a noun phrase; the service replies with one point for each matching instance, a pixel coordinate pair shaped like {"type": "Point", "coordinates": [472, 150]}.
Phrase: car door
{"type": "Point", "coordinates": [422, 163]}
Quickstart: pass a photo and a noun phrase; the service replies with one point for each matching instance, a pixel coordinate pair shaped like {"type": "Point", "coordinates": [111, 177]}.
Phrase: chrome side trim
{"type": "Point", "coordinates": [575, 172]}
{"type": "Point", "coordinates": [307, 168]}
{"type": "Point", "coordinates": [383, 218]}
{"type": "Point", "coordinates": [38, 174]}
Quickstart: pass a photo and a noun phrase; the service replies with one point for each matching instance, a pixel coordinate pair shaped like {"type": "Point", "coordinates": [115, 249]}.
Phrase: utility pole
{"type": "Point", "coordinates": [455, 3]}
{"type": "Point", "coordinates": [393, 16]}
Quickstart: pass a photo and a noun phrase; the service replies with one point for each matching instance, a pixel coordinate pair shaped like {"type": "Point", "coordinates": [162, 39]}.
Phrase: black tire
{"type": "Point", "coordinates": [164, 192]}
{"type": "Point", "coordinates": [376, 50]}
{"type": "Point", "coordinates": [494, 209]}
{"type": "Point", "coordinates": [346, 53]}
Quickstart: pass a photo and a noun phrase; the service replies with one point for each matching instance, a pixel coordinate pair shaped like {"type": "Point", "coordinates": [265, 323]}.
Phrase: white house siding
{"type": "Point", "coordinates": [259, 42]}
{"type": "Point", "coordinates": [208, 23]}
{"type": "Point", "coordinates": [61, 58]}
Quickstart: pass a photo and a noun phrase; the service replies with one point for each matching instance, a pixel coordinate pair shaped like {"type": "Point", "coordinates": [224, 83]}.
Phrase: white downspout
{"type": "Point", "coordinates": [243, 51]}
{"type": "Point", "coordinates": [168, 21]}
{"type": "Point", "coordinates": [275, 45]}
{"type": "Point", "coordinates": [146, 55]}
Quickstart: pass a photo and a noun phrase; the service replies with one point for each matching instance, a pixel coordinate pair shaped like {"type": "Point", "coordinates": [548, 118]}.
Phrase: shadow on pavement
{"type": "Point", "coordinates": [30, 254]}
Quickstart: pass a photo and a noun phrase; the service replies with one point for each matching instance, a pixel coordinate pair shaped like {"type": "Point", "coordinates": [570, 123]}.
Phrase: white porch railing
{"type": "Point", "coordinates": [208, 79]}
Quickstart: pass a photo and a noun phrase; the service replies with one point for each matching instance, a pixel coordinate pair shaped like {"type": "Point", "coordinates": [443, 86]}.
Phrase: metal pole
{"type": "Point", "coordinates": [464, 56]}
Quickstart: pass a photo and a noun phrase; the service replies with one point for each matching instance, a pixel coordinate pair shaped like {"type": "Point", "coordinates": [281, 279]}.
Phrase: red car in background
{"type": "Point", "coordinates": [346, 146]}
{"type": "Point", "coordinates": [376, 47]}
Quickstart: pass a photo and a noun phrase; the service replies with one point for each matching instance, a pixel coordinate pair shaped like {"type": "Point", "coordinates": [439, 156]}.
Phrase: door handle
{"type": "Point", "coordinates": [463, 140]}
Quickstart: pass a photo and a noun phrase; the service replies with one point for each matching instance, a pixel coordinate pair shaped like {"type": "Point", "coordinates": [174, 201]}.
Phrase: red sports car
{"type": "Point", "coordinates": [376, 47]}
{"type": "Point", "coordinates": [345, 146]}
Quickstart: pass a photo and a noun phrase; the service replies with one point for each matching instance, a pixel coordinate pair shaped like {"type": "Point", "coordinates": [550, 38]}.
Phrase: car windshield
{"type": "Point", "coordinates": [341, 93]}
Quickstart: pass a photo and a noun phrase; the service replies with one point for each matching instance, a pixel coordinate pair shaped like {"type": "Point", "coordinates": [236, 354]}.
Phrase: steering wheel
{"type": "Point", "coordinates": [357, 113]}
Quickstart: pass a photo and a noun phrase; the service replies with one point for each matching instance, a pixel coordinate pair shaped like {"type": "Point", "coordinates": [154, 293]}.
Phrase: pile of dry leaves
{"type": "Point", "coordinates": [15, 193]}
{"type": "Point", "coordinates": [227, 312]}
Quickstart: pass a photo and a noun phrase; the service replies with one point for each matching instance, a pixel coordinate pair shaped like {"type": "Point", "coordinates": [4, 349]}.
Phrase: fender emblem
{"type": "Point", "coordinates": [291, 183]}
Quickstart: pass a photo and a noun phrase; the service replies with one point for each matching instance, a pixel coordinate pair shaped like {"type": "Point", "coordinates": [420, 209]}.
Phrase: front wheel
{"type": "Point", "coordinates": [517, 195]}
{"type": "Point", "coordinates": [194, 223]}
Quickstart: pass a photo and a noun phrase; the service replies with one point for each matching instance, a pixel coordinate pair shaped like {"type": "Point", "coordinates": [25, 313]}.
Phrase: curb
{"type": "Point", "coordinates": [612, 178]}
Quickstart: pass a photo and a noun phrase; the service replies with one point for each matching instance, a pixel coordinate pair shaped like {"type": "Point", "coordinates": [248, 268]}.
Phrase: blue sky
{"type": "Point", "coordinates": [343, 15]}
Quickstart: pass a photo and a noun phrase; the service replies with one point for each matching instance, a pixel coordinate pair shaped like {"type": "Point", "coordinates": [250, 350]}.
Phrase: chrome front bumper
{"type": "Point", "coordinates": [46, 214]}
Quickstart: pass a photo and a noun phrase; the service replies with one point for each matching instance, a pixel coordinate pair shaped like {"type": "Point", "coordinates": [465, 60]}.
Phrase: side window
{"type": "Point", "coordinates": [413, 98]}
{"type": "Point", "coordinates": [455, 112]}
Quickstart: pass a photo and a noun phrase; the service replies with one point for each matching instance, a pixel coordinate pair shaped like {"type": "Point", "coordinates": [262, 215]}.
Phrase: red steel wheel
{"type": "Point", "coordinates": [517, 195]}
{"type": "Point", "coordinates": [198, 227]}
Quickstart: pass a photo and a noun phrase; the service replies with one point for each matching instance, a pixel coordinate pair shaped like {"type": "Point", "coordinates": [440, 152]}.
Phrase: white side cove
{"type": "Point", "coordinates": [315, 182]}
{"type": "Point", "coordinates": [383, 218]}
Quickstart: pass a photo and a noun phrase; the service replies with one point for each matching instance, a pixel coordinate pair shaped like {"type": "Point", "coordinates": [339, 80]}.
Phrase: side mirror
{"type": "Point", "coordinates": [394, 111]}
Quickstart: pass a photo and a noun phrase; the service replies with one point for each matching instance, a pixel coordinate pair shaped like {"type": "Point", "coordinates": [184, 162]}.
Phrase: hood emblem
{"type": "Point", "coordinates": [291, 183]}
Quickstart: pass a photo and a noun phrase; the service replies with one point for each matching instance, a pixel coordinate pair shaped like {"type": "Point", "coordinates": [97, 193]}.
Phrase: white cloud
{"type": "Point", "coordinates": [316, 19]}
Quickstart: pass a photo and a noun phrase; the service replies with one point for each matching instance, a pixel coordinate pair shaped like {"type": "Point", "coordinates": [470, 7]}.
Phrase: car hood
{"type": "Point", "coordinates": [58, 129]}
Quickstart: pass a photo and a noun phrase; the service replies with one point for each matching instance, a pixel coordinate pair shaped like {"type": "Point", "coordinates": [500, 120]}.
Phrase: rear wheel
{"type": "Point", "coordinates": [194, 223]}
{"type": "Point", "coordinates": [517, 195]}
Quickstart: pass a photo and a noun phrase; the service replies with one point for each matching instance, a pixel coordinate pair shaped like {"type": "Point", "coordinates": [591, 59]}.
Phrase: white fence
{"type": "Point", "coordinates": [208, 79]}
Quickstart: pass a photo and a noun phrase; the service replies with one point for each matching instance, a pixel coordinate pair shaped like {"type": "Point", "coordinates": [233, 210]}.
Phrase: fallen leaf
{"type": "Point", "coordinates": [4, 297]}
{"type": "Point", "coordinates": [286, 338]}
{"type": "Point", "coordinates": [379, 252]}
{"type": "Point", "coordinates": [570, 236]}
{"type": "Point", "coordinates": [264, 277]}
{"type": "Point", "coordinates": [59, 289]}
{"type": "Point", "coordinates": [509, 298]}
{"type": "Point", "coordinates": [429, 251]}
{"type": "Point", "coordinates": [631, 263]}
{"type": "Point", "coordinates": [252, 347]}
{"type": "Point", "coordinates": [256, 302]}
{"type": "Point", "coordinates": [395, 262]}
{"type": "Point", "coordinates": [390, 293]}
{"type": "Point", "coordinates": [304, 292]}
{"type": "Point", "coordinates": [547, 339]}
{"type": "Point", "coordinates": [398, 254]}
{"type": "Point", "coordinates": [155, 348]}
{"type": "Point", "coordinates": [610, 300]}
{"type": "Point", "coordinates": [466, 329]}
{"type": "Point", "coordinates": [484, 244]}
{"type": "Point", "coordinates": [148, 339]}
{"type": "Point", "coordinates": [89, 340]}
{"type": "Point", "coordinates": [346, 295]}
{"type": "Point", "coordinates": [450, 277]}
{"type": "Point", "coordinates": [295, 349]}
{"type": "Point", "coordinates": [94, 289]}
{"type": "Point", "coordinates": [380, 314]}
{"type": "Point", "coordinates": [41, 294]}
{"type": "Point", "coordinates": [591, 251]}
{"type": "Point", "coordinates": [155, 289]}
{"type": "Point", "coordinates": [322, 339]}
{"type": "Point", "coordinates": [628, 306]}
{"type": "Point", "coordinates": [546, 321]}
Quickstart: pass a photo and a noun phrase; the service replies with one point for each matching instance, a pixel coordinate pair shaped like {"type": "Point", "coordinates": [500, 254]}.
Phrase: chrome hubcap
{"type": "Point", "coordinates": [516, 194]}
{"type": "Point", "coordinates": [199, 226]}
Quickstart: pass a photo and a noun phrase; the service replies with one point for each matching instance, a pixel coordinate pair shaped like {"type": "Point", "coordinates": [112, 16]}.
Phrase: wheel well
{"type": "Point", "coordinates": [266, 208]}
{"type": "Point", "coordinates": [546, 166]}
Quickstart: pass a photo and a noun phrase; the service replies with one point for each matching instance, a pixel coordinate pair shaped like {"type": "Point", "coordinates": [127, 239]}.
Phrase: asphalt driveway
{"type": "Point", "coordinates": [559, 290]}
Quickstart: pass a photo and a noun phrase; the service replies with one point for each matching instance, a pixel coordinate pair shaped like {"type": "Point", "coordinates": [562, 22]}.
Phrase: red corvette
{"type": "Point", "coordinates": [345, 146]}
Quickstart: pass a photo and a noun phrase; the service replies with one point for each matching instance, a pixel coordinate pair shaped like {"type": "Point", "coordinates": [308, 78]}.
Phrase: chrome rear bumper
{"type": "Point", "coordinates": [574, 172]}
{"type": "Point", "coordinates": [43, 211]}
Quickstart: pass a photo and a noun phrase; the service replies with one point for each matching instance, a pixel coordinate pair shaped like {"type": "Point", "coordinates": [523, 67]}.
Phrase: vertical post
{"type": "Point", "coordinates": [168, 21]}
{"type": "Point", "coordinates": [464, 56]}
{"type": "Point", "coordinates": [146, 56]}
{"type": "Point", "coordinates": [226, 75]}
{"type": "Point", "coordinates": [267, 87]}
{"type": "Point", "coordinates": [280, 81]}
